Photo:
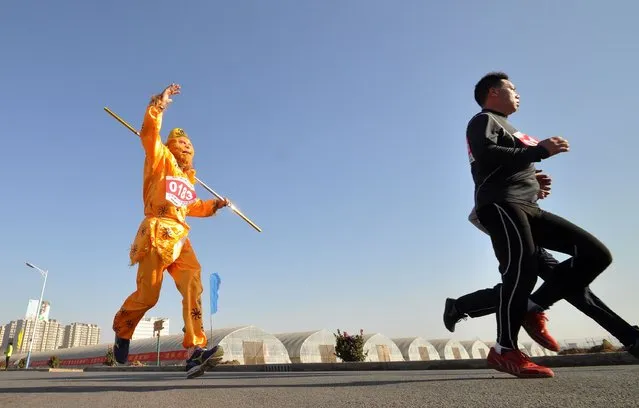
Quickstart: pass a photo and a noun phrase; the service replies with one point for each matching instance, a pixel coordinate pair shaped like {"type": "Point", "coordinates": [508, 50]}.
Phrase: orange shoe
{"type": "Point", "coordinates": [518, 364]}
{"type": "Point", "coordinates": [535, 325]}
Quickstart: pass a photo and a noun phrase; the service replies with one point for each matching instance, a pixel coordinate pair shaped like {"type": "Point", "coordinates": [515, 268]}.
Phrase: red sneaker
{"type": "Point", "coordinates": [535, 325]}
{"type": "Point", "coordinates": [518, 364]}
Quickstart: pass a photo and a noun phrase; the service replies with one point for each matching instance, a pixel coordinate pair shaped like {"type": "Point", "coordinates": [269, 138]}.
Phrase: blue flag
{"type": "Point", "coordinates": [215, 286]}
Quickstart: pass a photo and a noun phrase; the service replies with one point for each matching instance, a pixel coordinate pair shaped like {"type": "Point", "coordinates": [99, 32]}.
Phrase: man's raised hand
{"type": "Point", "coordinates": [173, 89]}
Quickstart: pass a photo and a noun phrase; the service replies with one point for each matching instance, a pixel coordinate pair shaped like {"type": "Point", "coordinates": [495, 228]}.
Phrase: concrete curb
{"type": "Point", "coordinates": [50, 370]}
{"type": "Point", "coordinates": [575, 360]}
{"type": "Point", "coordinates": [65, 370]}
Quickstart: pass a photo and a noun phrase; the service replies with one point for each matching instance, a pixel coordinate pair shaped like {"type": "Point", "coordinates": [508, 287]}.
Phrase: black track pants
{"type": "Point", "coordinates": [516, 231]}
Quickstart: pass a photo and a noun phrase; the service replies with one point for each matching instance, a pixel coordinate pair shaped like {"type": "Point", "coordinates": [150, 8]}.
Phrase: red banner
{"type": "Point", "coordinates": [141, 357]}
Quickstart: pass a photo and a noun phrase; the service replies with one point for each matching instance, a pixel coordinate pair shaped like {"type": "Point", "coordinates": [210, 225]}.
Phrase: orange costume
{"type": "Point", "coordinates": [162, 240]}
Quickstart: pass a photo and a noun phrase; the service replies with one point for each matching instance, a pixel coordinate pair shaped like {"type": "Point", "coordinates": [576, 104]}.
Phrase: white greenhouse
{"type": "Point", "coordinates": [309, 347]}
{"type": "Point", "coordinates": [534, 350]}
{"type": "Point", "coordinates": [247, 345]}
{"type": "Point", "coordinates": [450, 349]}
{"type": "Point", "coordinates": [250, 345]}
{"type": "Point", "coordinates": [381, 348]}
{"type": "Point", "coordinates": [416, 349]}
{"type": "Point", "coordinates": [476, 348]}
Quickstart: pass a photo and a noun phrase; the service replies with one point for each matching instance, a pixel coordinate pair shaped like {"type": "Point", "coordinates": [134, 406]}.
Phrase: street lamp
{"type": "Point", "coordinates": [35, 324]}
{"type": "Point", "coordinates": [157, 328]}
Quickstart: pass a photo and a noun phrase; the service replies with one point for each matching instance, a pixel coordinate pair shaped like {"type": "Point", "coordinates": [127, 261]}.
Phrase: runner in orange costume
{"type": "Point", "coordinates": [162, 241]}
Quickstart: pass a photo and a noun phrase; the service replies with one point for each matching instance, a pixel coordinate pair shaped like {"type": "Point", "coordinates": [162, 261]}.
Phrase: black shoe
{"type": "Point", "coordinates": [634, 348]}
{"type": "Point", "coordinates": [121, 350]}
{"type": "Point", "coordinates": [203, 359]}
{"type": "Point", "coordinates": [451, 315]}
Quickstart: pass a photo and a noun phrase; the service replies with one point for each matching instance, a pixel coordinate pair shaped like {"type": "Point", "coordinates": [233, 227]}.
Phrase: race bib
{"type": "Point", "coordinates": [179, 191]}
{"type": "Point", "coordinates": [526, 139]}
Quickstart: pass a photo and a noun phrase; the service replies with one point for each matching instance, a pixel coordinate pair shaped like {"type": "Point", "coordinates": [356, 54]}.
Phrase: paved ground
{"type": "Point", "coordinates": [604, 386]}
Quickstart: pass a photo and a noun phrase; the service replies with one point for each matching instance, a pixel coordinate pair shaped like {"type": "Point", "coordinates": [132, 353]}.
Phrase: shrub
{"type": "Point", "coordinates": [604, 347]}
{"type": "Point", "coordinates": [109, 358]}
{"type": "Point", "coordinates": [350, 348]}
{"type": "Point", "coordinates": [22, 363]}
{"type": "Point", "coordinates": [54, 362]}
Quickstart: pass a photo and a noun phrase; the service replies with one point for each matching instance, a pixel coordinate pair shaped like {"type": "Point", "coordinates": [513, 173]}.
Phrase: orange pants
{"type": "Point", "coordinates": [185, 271]}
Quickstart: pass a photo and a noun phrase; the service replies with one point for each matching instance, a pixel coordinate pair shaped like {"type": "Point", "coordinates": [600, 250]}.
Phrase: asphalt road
{"type": "Point", "coordinates": [604, 386]}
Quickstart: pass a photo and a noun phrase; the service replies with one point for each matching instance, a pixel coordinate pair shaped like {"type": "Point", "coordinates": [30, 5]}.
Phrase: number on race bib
{"type": "Point", "coordinates": [179, 191]}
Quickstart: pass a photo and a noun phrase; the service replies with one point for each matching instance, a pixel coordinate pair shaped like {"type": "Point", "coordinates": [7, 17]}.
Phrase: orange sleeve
{"type": "Point", "coordinates": [150, 134]}
{"type": "Point", "coordinates": [201, 208]}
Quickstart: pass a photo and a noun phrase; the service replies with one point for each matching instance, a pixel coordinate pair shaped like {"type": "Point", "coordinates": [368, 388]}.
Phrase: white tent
{"type": "Point", "coordinates": [381, 348]}
{"type": "Point", "coordinates": [250, 345]}
{"type": "Point", "coordinates": [309, 347]}
{"type": "Point", "coordinates": [450, 349]}
{"type": "Point", "coordinates": [476, 348]}
{"type": "Point", "coordinates": [416, 349]}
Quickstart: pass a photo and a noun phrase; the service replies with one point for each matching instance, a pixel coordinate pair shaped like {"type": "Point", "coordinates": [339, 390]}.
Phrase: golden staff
{"type": "Point", "coordinates": [209, 189]}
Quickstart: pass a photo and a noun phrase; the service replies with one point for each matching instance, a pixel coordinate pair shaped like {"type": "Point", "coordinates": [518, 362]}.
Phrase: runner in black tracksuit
{"type": "Point", "coordinates": [506, 193]}
{"type": "Point", "coordinates": [506, 201]}
{"type": "Point", "coordinates": [486, 301]}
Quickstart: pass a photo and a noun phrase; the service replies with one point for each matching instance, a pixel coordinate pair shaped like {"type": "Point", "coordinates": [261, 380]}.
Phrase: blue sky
{"type": "Point", "coordinates": [337, 126]}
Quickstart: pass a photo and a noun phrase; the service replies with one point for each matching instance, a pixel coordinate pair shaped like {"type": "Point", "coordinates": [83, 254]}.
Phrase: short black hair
{"type": "Point", "coordinates": [490, 80]}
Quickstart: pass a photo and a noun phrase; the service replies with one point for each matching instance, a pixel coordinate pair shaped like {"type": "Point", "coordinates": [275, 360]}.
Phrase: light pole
{"type": "Point", "coordinates": [157, 327]}
{"type": "Point", "coordinates": [35, 324]}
